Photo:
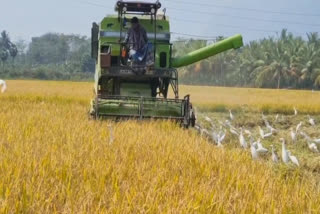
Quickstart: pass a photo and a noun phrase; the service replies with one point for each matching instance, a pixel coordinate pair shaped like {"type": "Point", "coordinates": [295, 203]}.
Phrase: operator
{"type": "Point", "coordinates": [139, 48]}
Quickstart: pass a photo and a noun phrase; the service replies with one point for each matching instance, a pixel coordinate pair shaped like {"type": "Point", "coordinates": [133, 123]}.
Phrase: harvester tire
{"type": "Point", "coordinates": [193, 119]}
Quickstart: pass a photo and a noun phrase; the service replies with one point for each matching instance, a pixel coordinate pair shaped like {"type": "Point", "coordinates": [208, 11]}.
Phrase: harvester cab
{"type": "Point", "coordinates": [127, 85]}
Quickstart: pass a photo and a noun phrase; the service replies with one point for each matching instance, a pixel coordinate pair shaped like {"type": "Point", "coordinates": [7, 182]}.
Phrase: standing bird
{"type": "Point", "coordinates": [284, 152]}
{"type": "Point", "coordinates": [228, 123]}
{"type": "Point", "coordinates": [210, 121]}
{"type": "Point", "coordinates": [293, 135]}
{"type": "Point", "coordinates": [274, 156]}
{"type": "Point", "coordinates": [270, 127]}
{"type": "Point", "coordinates": [307, 137]}
{"type": "Point", "coordinates": [311, 121]}
{"type": "Point", "coordinates": [276, 118]}
{"type": "Point", "coordinates": [248, 132]}
{"type": "Point", "coordinates": [254, 152]}
{"type": "Point", "coordinates": [317, 141]}
{"type": "Point", "coordinates": [295, 111]}
{"type": "Point", "coordinates": [293, 158]}
{"type": "Point", "coordinates": [233, 131]}
{"type": "Point", "coordinates": [204, 132]}
{"type": "Point", "coordinates": [313, 147]}
{"type": "Point", "coordinates": [262, 134]}
{"type": "Point", "coordinates": [243, 142]}
{"type": "Point", "coordinates": [298, 127]}
{"type": "Point", "coordinates": [261, 149]}
{"type": "Point", "coordinates": [197, 127]}
{"type": "Point", "coordinates": [231, 115]}
{"type": "Point", "coordinates": [3, 86]}
{"type": "Point", "coordinates": [219, 137]}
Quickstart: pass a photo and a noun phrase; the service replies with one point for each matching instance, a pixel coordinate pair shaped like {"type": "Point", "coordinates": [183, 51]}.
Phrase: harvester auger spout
{"type": "Point", "coordinates": [127, 86]}
{"type": "Point", "coordinates": [233, 42]}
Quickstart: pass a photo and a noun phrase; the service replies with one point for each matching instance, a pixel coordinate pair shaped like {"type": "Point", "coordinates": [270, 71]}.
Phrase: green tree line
{"type": "Point", "coordinates": [286, 61]}
{"type": "Point", "coordinates": [50, 56]}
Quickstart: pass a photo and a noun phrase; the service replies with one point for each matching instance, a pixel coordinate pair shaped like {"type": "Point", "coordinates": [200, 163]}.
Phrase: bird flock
{"type": "Point", "coordinates": [248, 141]}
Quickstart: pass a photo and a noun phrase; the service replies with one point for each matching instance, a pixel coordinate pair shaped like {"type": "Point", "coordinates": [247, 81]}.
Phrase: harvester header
{"type": "Point", "coordinates": [135, 67]}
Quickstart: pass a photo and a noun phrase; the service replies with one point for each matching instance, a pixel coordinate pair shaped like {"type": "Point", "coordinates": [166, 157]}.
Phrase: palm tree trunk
{"type": "Point", "coordinates": [279, 80]}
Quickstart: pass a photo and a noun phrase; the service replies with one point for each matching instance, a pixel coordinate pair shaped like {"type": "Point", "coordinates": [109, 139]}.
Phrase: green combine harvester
{"type": "Point", "coordinates": [126, 89]}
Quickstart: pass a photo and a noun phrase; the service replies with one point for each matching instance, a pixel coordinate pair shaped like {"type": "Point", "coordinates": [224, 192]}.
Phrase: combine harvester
{"type": "Point", "coordinates": [124, 89]}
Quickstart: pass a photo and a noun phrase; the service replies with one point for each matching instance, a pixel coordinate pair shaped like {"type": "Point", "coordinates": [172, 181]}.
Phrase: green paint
{"type": "Point", "coordinates": [233, 42]}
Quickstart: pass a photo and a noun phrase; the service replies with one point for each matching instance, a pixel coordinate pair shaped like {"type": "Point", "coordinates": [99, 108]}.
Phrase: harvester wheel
{"type": "Point", "coordinates": [192, 119]}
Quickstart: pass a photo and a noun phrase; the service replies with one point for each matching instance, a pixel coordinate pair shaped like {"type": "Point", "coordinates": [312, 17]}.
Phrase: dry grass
{"type": "Point", "coordinates": [54, 159]}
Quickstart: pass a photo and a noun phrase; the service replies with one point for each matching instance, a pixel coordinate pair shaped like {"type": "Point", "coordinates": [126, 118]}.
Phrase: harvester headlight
{"type": "Point", "coordinates": [125, 9]}
{"type": "Point", "coordinates": [153, 10]}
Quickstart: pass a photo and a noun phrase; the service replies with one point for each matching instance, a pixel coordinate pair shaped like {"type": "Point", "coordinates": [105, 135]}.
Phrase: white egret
{"type": "Point", "coordinates": [222, 124]}
{"type": "Point", "coordinates": [295, 111]}
{"type": "Point", "coordinates": [311, 121]}
{"type": "Point", "coordinates": [266, 122]}
{"type": "Point", "coordinates": [307, 137]}
{"type": "Point", "coordinates": [276, 118]}
{"type": "Point", "coordinates": [298, 127]}
{"type": "Point", "coordinates": [233, 131]}
{"type": "Point", "coordinates": [197, 127]}
{"type": "Point", "coordinates": [247, 132]}
{"type": "Point", "coordinates": [293, 135]}
{"type": "Point", "coordinates": [261, 149]}
{"type": "Point", "coordinates": [284, 152]}
{"type": "Point", "coordinates": [243, 142]}
{"type": "Point", "coordinates": [254, 152]}
{"type": "Point", "coordinates": [293, 158]}
{"type": "Point", "coordinates": [204, 131]}
{"type": "Point", "coordinates": [3, 86]}
{"type": "Point", "coordinates": [214, 136]}
{"type": "Point", "coordinates": [262, 134]}
{"type": "Point", "coordinates": [274, 156]}
{"type": "Point", "coordinates": [231, 115]}
{"type": "Point", "coordinates": [221, 136]}
{"type": "Point", "coordinates": [208, 119]}
{"type": "Point", "coordinates": [228, 123]}
{"type": "Point", "coordinates": [219, 144]}
{"type": "Point", "coordinates": [316, 141]}
{"type": "Point", "coordinates": [313, 147]}
{"type": "Point", "coordinates": [270, 127]}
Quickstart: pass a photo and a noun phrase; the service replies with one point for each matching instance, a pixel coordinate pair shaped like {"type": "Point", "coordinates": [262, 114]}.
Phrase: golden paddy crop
{"type": "Point", "coordinates": [54, 159]}
{"type": "Point", "coordinates": [249, 99]}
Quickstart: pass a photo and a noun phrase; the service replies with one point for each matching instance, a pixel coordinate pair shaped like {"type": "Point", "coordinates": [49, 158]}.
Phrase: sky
{"type": "Point", "coordinates": [254, 19]}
